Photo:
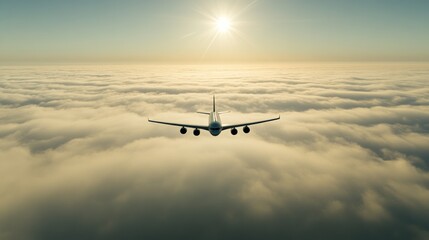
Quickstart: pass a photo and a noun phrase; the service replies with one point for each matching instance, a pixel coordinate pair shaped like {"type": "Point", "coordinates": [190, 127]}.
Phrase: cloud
{"type": "Point", "coordinates": [348, 159]}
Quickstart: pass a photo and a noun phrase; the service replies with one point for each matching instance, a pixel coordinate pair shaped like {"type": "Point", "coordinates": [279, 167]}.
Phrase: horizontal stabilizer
{"type": "Point", "coordinates": [206, 113]}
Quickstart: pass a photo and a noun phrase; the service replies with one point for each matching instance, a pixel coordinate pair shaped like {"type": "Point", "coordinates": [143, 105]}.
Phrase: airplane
{"type": "Point", "coordinates": [215, 126]}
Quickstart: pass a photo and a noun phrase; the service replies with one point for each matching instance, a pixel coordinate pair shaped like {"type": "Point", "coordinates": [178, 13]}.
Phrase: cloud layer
{"type": "Point", "coordinates": [348, 160]}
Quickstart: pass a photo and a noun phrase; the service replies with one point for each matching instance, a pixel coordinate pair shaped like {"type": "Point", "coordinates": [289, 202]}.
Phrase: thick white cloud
{"type": "Point", "coordinates": [348, 159]}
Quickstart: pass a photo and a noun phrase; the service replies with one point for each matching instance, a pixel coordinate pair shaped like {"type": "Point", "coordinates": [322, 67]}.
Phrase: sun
{"type": "Point", "coordinates": [223, 24]}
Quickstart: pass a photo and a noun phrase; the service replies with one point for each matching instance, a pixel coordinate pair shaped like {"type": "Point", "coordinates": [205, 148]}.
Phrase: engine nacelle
{"type": "Point", "coordinates": [196, 132]}
{"type": "Point", "coordinates": [246, 129]}
{"type": "Point", "coordinates": [234, 131]}
{"type": "Point", "coordinates": [183, 130]}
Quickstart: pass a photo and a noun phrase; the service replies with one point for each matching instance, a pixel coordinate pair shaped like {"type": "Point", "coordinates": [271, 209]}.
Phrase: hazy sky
{"type": "Point", "coordinates": [163, 30]}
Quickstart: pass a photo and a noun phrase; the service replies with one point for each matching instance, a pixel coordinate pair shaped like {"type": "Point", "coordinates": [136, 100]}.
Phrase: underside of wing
{"type": "Point", "coordinates": [203, 127]}
{"type": "Point", "coordinates": [228, 126]}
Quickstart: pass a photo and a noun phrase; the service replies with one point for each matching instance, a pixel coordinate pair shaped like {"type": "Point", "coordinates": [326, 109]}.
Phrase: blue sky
{"type": "Point", "coordinates": [269, 30]}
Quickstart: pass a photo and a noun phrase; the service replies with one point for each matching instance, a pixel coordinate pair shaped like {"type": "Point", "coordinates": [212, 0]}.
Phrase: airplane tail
{"type": "Point", "coordinates": [214, 107]}
{"type": "Point", "coordinates": [214, 103]}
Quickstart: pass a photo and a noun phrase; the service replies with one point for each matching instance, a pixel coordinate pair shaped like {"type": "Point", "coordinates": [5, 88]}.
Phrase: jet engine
{"type": "Point", "coordinates": [183, 130]}
{"type": "Point", "coordinates": [246, 129]}
{"type": "Point", "coordinates": [234, 131]}
{"type": "Point", "coordinates": [196, 132]}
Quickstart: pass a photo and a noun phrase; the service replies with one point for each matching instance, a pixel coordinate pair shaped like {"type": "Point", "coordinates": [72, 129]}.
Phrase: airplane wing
{"type": "Point", "coordinates": [228, 126]}
{"type": "Point", "coordinates": [203, 127]}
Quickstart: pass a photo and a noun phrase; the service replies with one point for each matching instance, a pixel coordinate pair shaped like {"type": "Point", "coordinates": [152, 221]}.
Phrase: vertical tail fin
{"type": "Point", "coordinates": [214, 103]}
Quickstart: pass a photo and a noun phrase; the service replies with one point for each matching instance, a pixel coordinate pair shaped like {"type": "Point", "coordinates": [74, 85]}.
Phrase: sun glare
{"type": "Point", "coordinates": [223, 24]}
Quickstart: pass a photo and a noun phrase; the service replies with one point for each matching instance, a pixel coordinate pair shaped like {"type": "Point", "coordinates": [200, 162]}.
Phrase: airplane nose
{"type": "Point", "coordinates": [215, 133]}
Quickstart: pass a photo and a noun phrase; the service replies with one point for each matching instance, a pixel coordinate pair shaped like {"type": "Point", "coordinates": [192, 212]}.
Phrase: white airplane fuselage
{"type": "Point", "coordinates": [215, 124]}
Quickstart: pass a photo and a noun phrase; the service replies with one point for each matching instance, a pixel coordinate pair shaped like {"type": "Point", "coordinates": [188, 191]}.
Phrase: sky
{"type": "Point", "coordinates": [185, 31]}
{"type": "Point", "coordinates": [348, 159]}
